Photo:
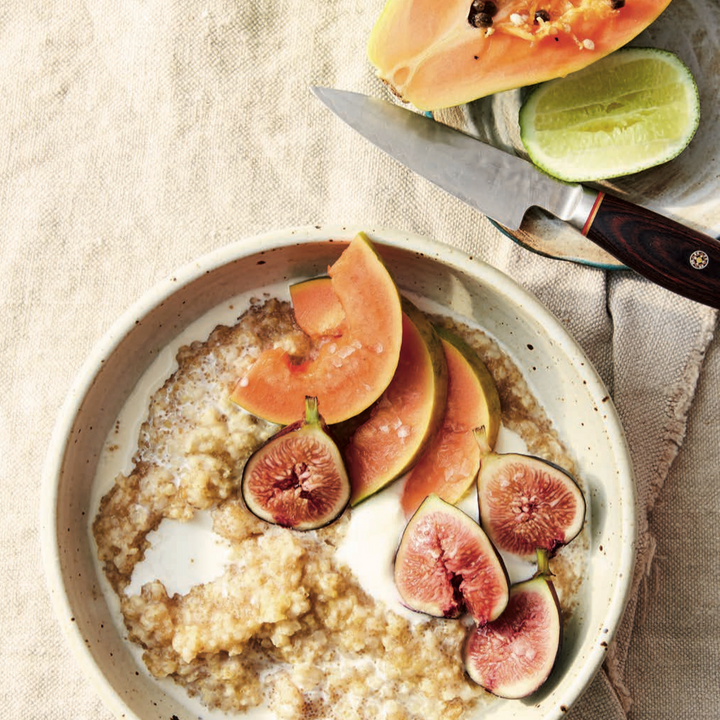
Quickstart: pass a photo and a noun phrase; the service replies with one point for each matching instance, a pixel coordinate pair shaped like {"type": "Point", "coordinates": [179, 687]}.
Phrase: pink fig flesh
{"type": "Point", "coordinates": [297, 479]}
{"type": "Point", "coordinates": [513, 656]}
{"type": "Point", "coordinates": [528, 504]}
{"type": "Point", "coordinates": [446, 565]}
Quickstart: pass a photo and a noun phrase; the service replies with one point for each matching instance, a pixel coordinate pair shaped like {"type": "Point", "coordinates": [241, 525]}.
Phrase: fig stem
{"type": "Point", "coordinates": [543, 563]}
{"type": "Point", "coordinates": [312, 414]}
{"type": "Point", "coordinates": [480, 434]}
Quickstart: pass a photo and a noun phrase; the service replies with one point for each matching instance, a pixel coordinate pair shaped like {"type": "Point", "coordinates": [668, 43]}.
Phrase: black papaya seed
{"type": "Point", "coordinates": [481, 20]}
{"type": "Point", "coordinates": [481, 13]}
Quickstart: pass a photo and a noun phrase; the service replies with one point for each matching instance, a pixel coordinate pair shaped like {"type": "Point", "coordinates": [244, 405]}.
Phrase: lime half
{"type": "Point", "coordinates": [627, 112]}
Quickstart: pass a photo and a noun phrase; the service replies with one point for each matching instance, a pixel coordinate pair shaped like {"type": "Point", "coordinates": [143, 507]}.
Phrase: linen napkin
{"type": "Point", "coordinates": [135, 136]}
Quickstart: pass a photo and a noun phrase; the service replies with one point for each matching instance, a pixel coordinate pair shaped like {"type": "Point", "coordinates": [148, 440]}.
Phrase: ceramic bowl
{"type": "Point", "coordinates": [558, 372]}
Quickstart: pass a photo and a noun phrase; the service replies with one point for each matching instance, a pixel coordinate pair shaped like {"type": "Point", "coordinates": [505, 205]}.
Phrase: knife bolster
{"type": "Point", "coordinates": [585, 205]}
{"type": "Point", "coordinates": [593, 212]}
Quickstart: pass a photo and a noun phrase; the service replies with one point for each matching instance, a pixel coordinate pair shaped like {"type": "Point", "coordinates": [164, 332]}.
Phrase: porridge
{"type": "Point", "coordinates": [293, 621]}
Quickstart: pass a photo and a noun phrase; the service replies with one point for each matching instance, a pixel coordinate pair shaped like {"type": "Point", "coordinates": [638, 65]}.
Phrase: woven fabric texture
{"type": "Point", "coordinates": [138, 135]}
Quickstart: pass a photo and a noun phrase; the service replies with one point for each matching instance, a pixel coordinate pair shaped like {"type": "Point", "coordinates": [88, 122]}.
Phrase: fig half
{"type": "Point", "coordinates": [297, 479]}
{"type": "Point", "coordinates": [446, 565]}
{"type": "Point", "coordinates": [513, 656]}
{"type": "Point", "coordinates": [527, 503]}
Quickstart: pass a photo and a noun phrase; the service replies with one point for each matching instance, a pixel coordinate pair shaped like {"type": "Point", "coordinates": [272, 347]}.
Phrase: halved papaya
{"type": "Point", "coordinates": [407, 415]}
{"type": "Point", "coordinates": [451, 462]}
{"type": "Point", "coordinates": [441, 53]}
{"type": "Point", "coordinates": [346, 375]}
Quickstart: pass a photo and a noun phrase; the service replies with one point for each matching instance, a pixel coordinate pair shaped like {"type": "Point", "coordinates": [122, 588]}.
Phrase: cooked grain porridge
{"type": "Point", "coordinates": [293, 621]}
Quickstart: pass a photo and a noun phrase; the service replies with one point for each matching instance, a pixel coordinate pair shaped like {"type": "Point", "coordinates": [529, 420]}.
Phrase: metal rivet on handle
{"type": "Point", "coordinates": [699, 260]}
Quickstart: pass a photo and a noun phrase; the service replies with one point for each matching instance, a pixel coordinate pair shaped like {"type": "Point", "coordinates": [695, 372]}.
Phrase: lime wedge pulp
{"type": "Point", "coordinates": [629, 111]}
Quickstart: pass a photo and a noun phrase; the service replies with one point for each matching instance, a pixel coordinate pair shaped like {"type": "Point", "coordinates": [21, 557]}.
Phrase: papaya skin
{"type": "Point", "coordinates": [433, 58]}
{"type": "Point", "coordinates": [348, 375]}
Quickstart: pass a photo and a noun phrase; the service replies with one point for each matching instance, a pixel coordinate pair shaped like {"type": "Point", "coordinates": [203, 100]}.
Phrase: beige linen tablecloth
{"type": "Point", "coordinates": [136, 135]}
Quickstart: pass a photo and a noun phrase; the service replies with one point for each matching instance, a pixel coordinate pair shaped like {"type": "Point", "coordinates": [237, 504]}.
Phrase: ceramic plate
{"type": "Point", "coordinates": [686, 188]}
{"type": "Point", "coordinates": [201, 294]}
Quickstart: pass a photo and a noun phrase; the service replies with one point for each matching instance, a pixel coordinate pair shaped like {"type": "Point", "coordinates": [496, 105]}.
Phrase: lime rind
{"type": "Point", "coordinates": [629, 111]}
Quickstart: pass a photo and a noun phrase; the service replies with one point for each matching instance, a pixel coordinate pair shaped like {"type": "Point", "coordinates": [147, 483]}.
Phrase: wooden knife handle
{"type": "Point", "coordinates": [662, 250]}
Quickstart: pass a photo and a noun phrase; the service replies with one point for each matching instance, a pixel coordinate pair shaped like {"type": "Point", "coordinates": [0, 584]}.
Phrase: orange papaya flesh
{"type": "Point", "coordinates": [430, 54]}
{"type": "Point", "coordinates": [487, 409]}
{"type": "Point", "coordinates": [320, 315]}
{"type": "Point", "coordinates": [317, 309]}
{"type": "Point", "coordinates": [406, 416]}
{"type": "Point", "coordinates": [451, 462]}
{"type": "Point", "coordinates": [346, 375]}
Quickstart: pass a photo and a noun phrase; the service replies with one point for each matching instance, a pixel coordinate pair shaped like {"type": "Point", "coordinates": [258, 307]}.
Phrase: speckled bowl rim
{"type": "Point", "coordinates": [504, 286]}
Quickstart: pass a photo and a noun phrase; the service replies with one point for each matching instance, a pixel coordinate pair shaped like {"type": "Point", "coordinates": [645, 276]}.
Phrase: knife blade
{"type": "Point", "coordinates": [503, 187]}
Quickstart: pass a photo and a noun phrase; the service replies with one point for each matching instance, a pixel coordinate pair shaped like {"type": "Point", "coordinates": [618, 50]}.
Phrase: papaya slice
{"type": "Point", "coordinates": [317, 309]}
{"type": "Point", "coordinates": [386, 443]}
{"type": "Point", "coordinates": [347, 375]}
{"type": "Point", "coordinates": [451, 462]}
{"type": "Point", "coordinates": [407, 415]}
{"type": "Point", "coordinates": [320, 315]}
{"type": "Point", "coordinates": [441, 53]}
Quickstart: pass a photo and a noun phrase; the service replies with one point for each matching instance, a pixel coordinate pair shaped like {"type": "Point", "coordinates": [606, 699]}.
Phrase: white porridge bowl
{"type": "Point", "coordinates": [556, 370]}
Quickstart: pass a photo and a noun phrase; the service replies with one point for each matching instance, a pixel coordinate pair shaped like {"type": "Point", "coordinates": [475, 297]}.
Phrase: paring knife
{"type": "Point", "coordinates": [504, 187]}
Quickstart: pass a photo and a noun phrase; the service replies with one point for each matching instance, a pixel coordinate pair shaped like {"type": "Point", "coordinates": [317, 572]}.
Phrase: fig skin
{"type": "Point", "coordinates": [446, 565]}
{"type": "Point", "coordinates": [513, 656]}
{"type": "Point", "coordinates": [527, 503]}
{"type": "Point", "coordinates": [297, 478]}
